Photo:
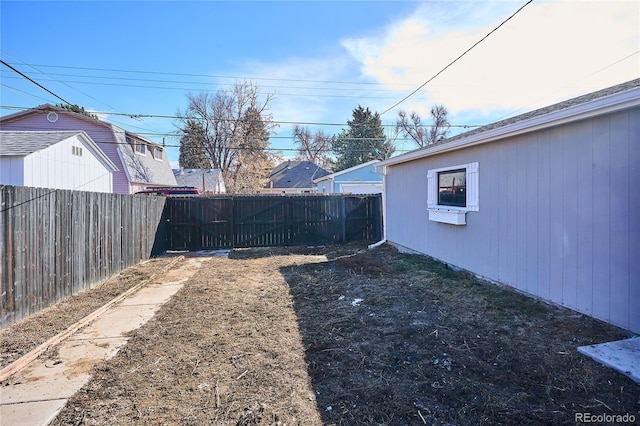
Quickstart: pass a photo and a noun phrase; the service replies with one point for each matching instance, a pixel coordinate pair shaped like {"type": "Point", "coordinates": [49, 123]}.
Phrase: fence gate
{"type": "Point", "coordinates": [219, 222]}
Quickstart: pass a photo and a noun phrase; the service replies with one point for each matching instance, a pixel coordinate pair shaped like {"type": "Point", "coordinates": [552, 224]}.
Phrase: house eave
{"type": "Point", "coordinates": [600, 106]}
{"type": "Point", "coordinates": [98, 152]}
{"type": "Point", "coordinates": [341, 172]}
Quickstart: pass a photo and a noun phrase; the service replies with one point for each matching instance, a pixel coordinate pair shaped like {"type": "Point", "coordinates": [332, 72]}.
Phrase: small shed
{"type": "Point", "coordinates": [360, 179]}
{"type": "Point", "coordinates": [546, 202]}
{"type": "Point", "coordinates": [54, 159]}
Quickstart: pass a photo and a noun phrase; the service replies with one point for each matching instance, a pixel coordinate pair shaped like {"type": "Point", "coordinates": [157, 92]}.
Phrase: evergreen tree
{"type": "Point", "coordinates": [234, 126]}
{"type": "Point", "coordinates": [363, 141]}
{"type": "Point", "coordinates": [78, 109]}
{"type": "Point", "coordinates": [251, 167]}
{"type": "Point", "coordinates": [192, 142]}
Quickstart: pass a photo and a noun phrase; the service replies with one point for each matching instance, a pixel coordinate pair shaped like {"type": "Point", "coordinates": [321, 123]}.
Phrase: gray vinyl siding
{"type": "Point", "coordinates": [558, 217]}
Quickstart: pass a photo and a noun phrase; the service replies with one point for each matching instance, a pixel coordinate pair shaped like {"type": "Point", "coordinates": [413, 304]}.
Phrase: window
{"type": "Point", "coordinates": [139, 147]}
{"type": "Point", "coordinates": [76, 150]}
{"type": "Point", "coordinates": [452, 192]}
{"type": "Point", "coordinates": [156, 151]}
{"type": "Point", "coordinates": [452, 188]}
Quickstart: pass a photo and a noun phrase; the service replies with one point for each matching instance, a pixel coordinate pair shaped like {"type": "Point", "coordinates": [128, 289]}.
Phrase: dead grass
{"type": "Point", "coordinates": [24, 336]}
{"type": "Point", "coordinates": [347, 336]}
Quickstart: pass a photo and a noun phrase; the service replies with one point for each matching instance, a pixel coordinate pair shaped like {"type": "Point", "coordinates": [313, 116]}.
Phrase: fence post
{"type": "Point", "coordinates": [343, 222]}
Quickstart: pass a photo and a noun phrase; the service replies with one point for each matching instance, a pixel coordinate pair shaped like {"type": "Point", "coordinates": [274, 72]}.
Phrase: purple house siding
{"type": "Point", "coordinates": [135, 170]}
{"type": "Point", "coordinates": [99, 132]}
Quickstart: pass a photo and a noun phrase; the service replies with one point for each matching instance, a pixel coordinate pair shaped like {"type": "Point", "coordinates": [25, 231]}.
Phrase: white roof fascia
{"type": "Point", "coordinates": [600, 106]}
{"type": "Point", "coordinates": [95, 149]}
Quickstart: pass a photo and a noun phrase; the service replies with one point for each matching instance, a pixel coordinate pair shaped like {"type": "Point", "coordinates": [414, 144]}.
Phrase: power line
{"type": "Point", "coordinates": [56, 80]}
{"type": "Point", "coordinates": [137, 86]}
{"type": "Point", "coordinates": [146, 80]}
{"type": "Point", "coordinates": [210, 75]}
{"type": "Point", "coordinates": [35, 82]}
{"type": "Point", "coordinates": [456, 60]}
{"type": "Point", "coordinates": [178, 117]}
{"type": "Point", "coordinates": [24, 93]}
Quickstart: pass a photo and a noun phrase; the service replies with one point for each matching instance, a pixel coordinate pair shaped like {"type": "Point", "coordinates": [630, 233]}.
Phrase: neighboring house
{"type": "Point", "coordinates": [59, 160]}
{"type": "Point", "coordinates": [294, 177]}
{"type": "Point", "coordinates": [547, 202]}
{"type": "Point", "coordinates": [360, 179]}
{"type": "Point", "coordinates": [208, 181]}
{"type": "Point", "coordinates": [140, 162]}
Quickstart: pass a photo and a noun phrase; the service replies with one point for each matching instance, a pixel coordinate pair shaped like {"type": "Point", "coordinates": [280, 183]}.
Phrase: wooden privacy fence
{"type": "Point", "coordinates": [261, 221]}
{"type": "Point", "coordinates": [55, 243]}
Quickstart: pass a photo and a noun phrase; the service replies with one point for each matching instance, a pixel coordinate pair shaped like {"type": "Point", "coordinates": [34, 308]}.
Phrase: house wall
{"type": "Point", "coordinates": [12, 171]}
{"type": "Point", "coordinates": [367, 180]}
{"type": "Point", "coordinates": [559, 215]}
{"type": "Point", "coordinates": [324, 187]}
{"type": "Point", "coordinates": [56, 167]}
{"type": "Point", "coordinates": [100, 133]}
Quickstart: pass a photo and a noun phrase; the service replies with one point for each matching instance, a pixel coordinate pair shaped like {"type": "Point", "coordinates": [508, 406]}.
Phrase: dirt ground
{"type": "Point", "coordinates": [340, 336]}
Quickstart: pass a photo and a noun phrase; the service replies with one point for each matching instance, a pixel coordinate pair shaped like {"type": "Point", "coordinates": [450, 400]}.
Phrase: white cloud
{"type": "Point", "coordinates": [306, 91]}
{"type": "Point", "coordinates": [548, 52]}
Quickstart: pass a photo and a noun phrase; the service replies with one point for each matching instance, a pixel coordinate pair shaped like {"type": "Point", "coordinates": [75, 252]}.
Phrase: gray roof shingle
{"type": "Point", "coordinates": [194, 177]}
{"type": "Point", "coordinates": [23, 143]}
{"type": "Point", "coordinates": [295, 174]}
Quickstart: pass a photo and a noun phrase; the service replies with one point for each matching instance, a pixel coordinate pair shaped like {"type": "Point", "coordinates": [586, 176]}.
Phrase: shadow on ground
{"type": "Point", "coordinates": [400, 339]}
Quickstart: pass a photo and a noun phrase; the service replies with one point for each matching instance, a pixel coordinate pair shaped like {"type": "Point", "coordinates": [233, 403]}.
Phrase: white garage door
{"type": "Point", "coordinates": [361, 188]}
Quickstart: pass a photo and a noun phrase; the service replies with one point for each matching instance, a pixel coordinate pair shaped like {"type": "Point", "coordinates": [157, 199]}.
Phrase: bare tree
{"type": "Point", "coordinates": [411, 126]}
{"type": "Point", "coordinates": [313, 148]}
{"type": "Point", "coordinates": [228, 122]}
{"type": "Point", "coordinates": [251, 169]}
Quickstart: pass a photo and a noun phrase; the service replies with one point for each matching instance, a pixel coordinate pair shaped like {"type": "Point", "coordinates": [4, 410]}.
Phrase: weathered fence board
{"type": "Point", "coordinates": [55, 243]}
{"type": "Point", "coordinates": [223, 222]}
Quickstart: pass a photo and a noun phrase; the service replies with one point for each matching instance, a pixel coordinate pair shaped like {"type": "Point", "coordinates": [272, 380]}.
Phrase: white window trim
{"type": "Point", "coordinates": [451, 214]}
{"type": "Point", "coordinates": [156, 153]}
{"type": "Point", "coordinates": [140, 148]}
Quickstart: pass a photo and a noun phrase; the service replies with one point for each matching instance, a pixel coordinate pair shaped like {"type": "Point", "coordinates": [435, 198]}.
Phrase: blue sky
{"type": "Point", "coordinates": [320, 59]}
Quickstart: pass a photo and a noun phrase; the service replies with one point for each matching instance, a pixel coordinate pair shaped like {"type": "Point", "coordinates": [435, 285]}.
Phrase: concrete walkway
{"type": "Point", "coordinates": [621, 355]}
{"type": "Point", "coordinates": [40, 390]}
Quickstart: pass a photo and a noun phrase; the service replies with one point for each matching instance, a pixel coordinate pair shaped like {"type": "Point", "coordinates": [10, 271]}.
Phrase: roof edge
{"type": "Point", "coordinates": [97, 151]}
{"type": "Point", "coordinates": [603, 105]}
{"type": "Point", "coordinates": [341, 172]}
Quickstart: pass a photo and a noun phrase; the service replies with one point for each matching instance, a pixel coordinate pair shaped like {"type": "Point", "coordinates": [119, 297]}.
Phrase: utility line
{"type": "Point", "coordinates": [456, 60]}
{"type": "Point", "coordinates": [149, 80]}
{"type": "Point", "coordinates": [35, 82]}
{"type": "Point", "coordinates": [137, 86]}
{"type": "Point", "coordinates": [24, 93]}
{"type": "Point", "coordinates": [211, 75]}
{"type": "Point", "coordinates": [71, 87]}
{"type": "Point", "coordinates": [56, 80]}
{"type": "Point", "coordinates": [177, 117]}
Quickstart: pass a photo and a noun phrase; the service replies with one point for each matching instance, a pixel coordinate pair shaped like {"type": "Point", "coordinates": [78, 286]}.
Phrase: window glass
{"type": "Point", "coordinates": [452, 188]}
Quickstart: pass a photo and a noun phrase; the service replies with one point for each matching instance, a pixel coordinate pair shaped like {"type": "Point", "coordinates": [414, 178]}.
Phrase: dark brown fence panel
{"type": "Point", "coordinates": [55, 243]}
{"type": "Point", "coordinates": [363, 218]}
{"type": "Point", "coordinates": [215, 222]}
{"type": "Point", "coordinates": [262, 221]}
{"type": "Point", "coordinates": [316, 220]}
